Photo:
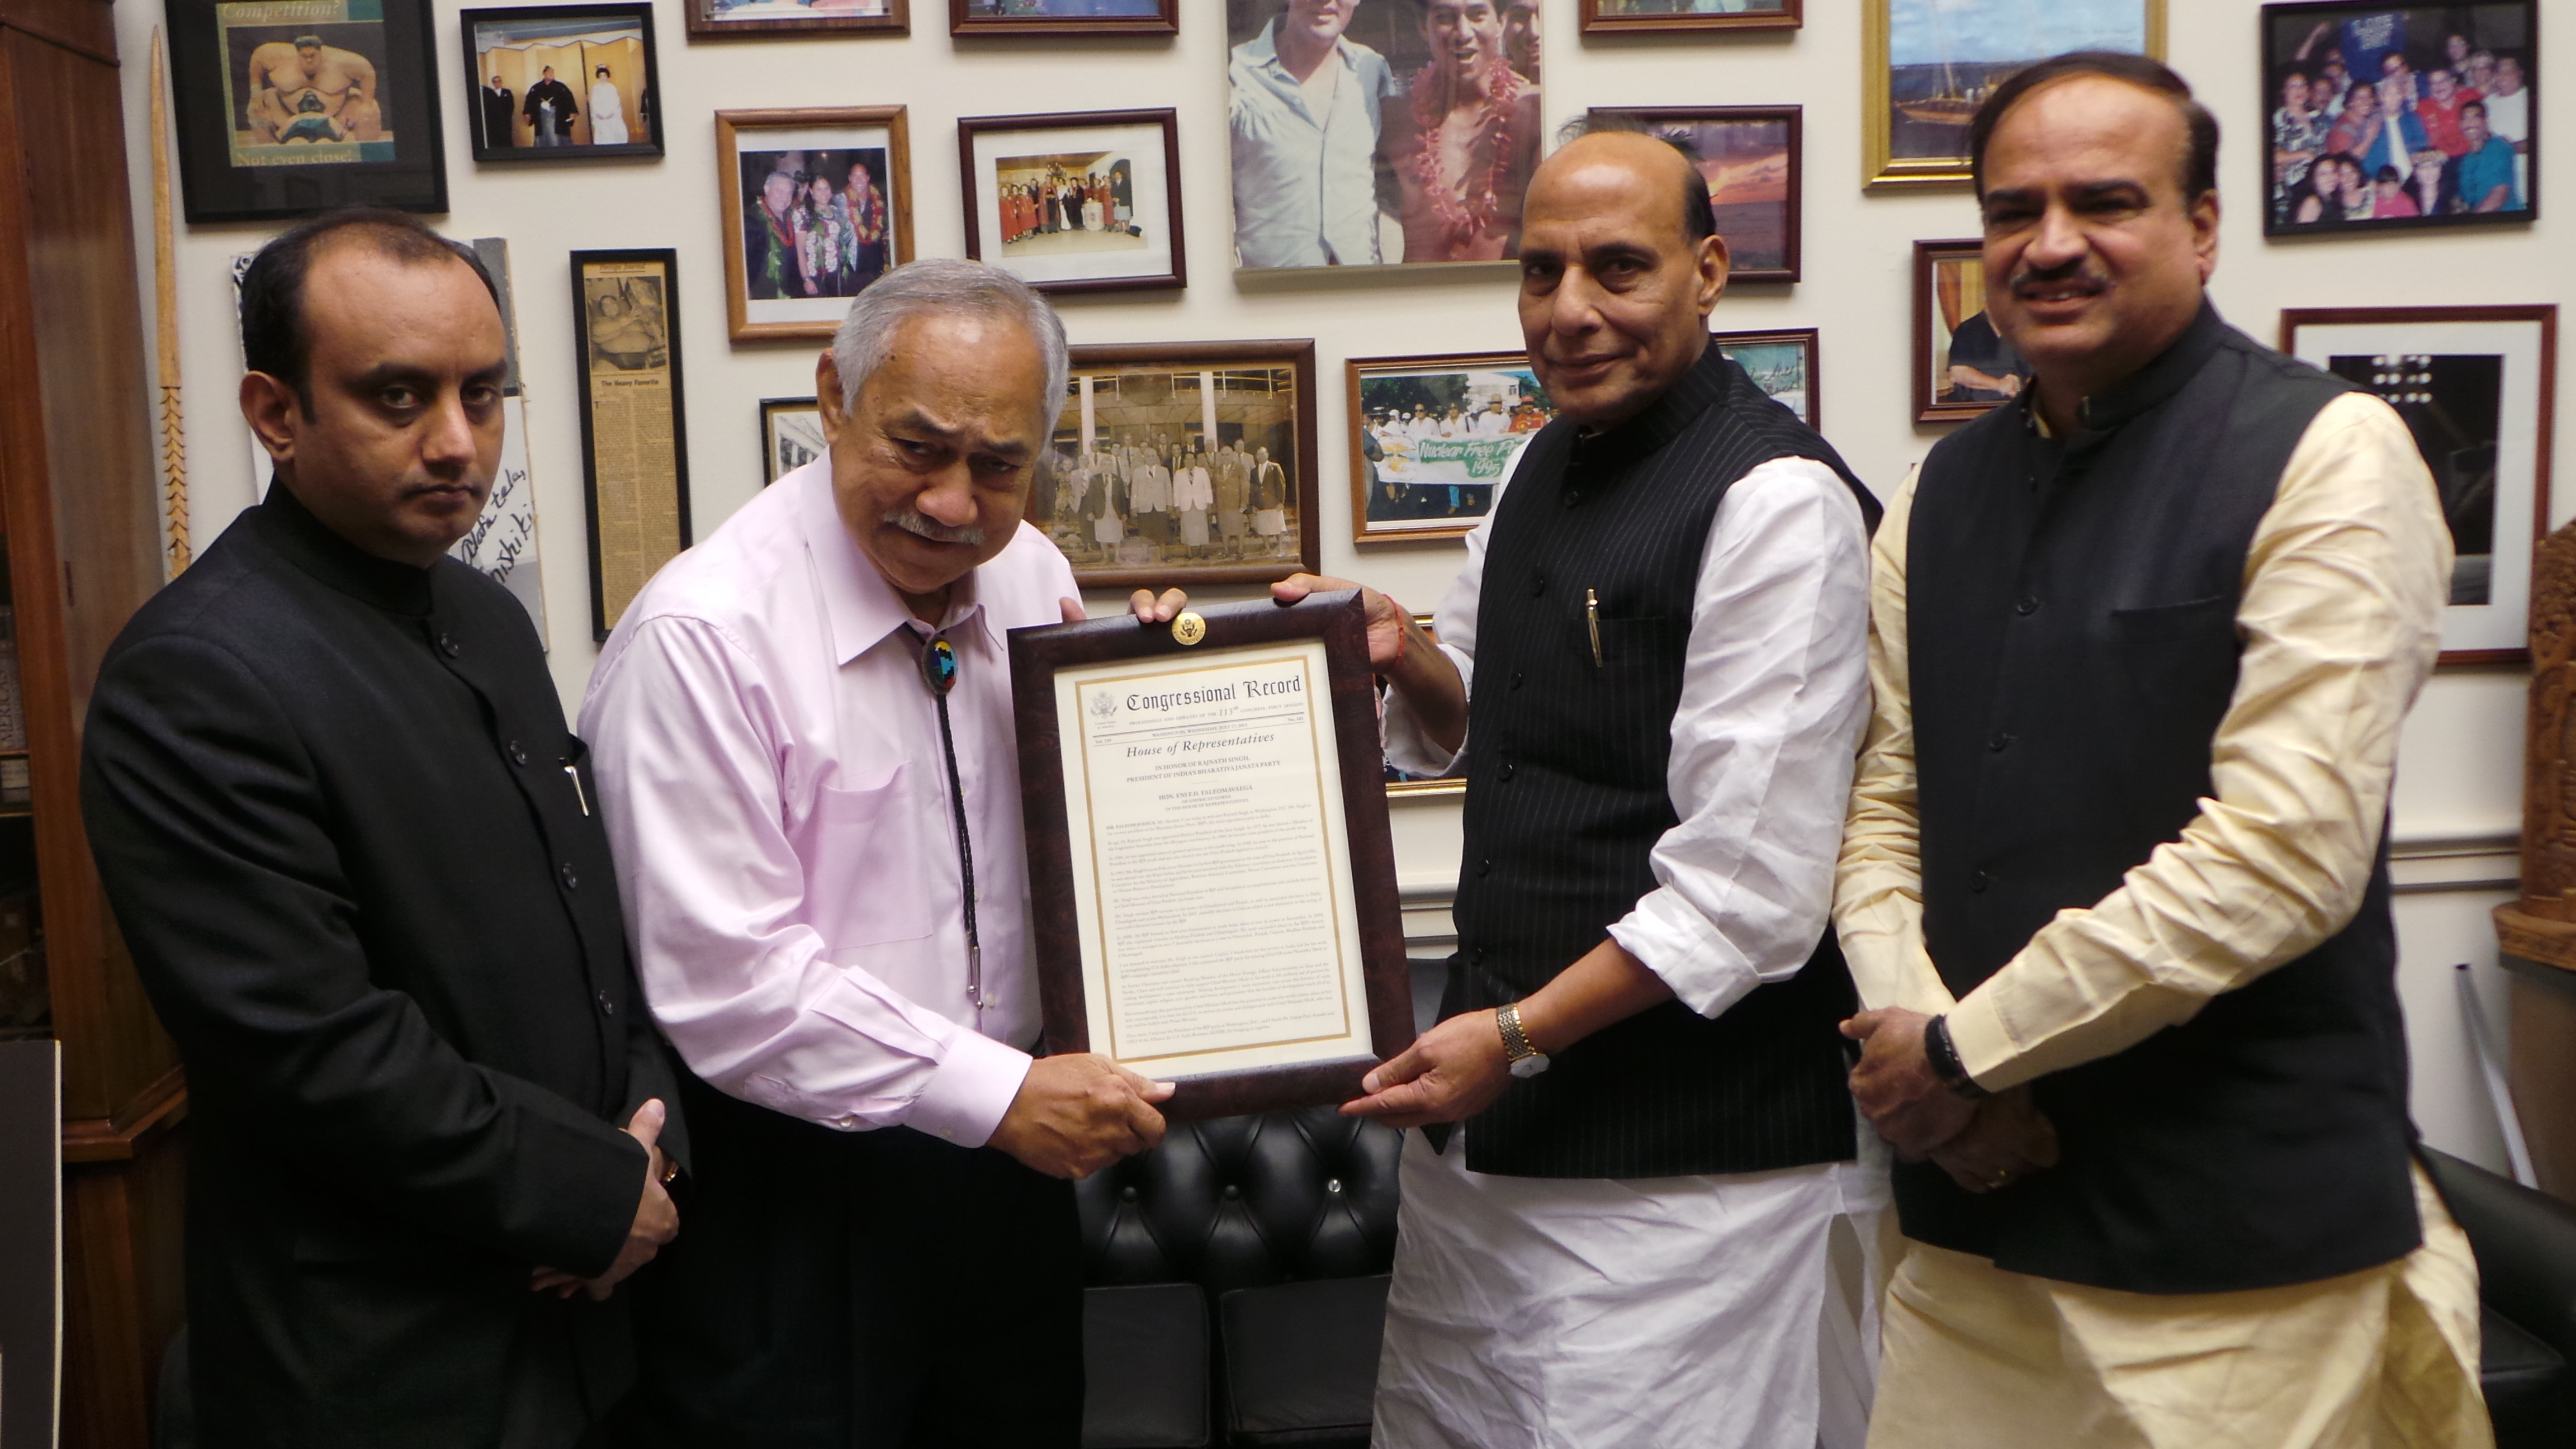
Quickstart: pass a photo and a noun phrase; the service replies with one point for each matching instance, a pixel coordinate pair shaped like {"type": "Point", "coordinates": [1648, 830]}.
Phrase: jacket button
{"type": "Point", "coordinates": [1999, 741]}
{"type": "Point", "coordinates": [1516, 679]}
{"type": "Point", "coordinates": [606, 1006]}
{"type": "Point", "coordinates": [518, 755]}
{"type": "Point", "coordinates": [1232, 1191]}
{"type": "Point", "coordinates": [2028, 605]}
{"type": "Point", "coordinates": [1333, 1186]}
{"type": "Point", "coordinates": [1477, 956]}
{"type": "Point", "coordinates": [1127, 1193]}
{"type": "Point", "coordinates": [448, 646]}
{"type": "Point", "coordinates": [1538, 585]}
{"type": "Point", "coordinates": [1503, 771]}
{"type": "Point", "coordinates": [1978, 881]}
{"type": "Point", "coordinates": [1484, 867]}
{"type": "Point", "coordinates": [571, 878]}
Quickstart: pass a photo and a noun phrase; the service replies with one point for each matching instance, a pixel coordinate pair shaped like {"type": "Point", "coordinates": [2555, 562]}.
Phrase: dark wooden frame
{"type": "Point", "coordinates": [1926, 408]}
{"type": "Point", "coordinates": [1339, 620]}
{"type": "Point", "coordinates": [1298, 355]}
{"type": "Point", "coordinates": [641, 10]}
{"type": "Point", "coordinates": [1446, 784]}
{"type": "Point", "coordinates": [1881, 169]}
{"type": "Point", "coordinates": [769, 406]}
{"type": "Point", "coordinates": [729, 128]}
{"type": "Point", "coordinates": [970, 127]}
{"type": "Point", "coordinates": [1792, 246]}
{"type": "Point", "coordinates": [1354, 371]}
{"type": "Point", "coordinates": [1790, 16]}
{"type": "Point", "coordinates": [670, 261]}
{"type": "Point", "coordinates": [203, 123]}
{"type": "Point", "coordinates": [1168, 22]}
{"type": "Point", "coordinates": [2545, 314]}
{"type": "Point", "coordinates": [1805, 337]}
{"type": "Point", "coordinates": [2275, 226]}
{"type": "Point", "coordinates": [896, 21]}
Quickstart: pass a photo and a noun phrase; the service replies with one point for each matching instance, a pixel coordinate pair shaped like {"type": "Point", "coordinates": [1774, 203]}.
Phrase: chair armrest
{"type": "Point", "coordinates": [2525, 1243]}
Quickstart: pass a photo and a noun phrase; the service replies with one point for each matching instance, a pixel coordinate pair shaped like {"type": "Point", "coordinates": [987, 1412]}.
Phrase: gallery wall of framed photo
{"type": "Point", "coordinates": [1170, 232]}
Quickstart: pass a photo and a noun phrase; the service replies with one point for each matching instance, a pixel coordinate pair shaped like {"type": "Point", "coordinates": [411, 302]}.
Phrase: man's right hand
{"type": "Point", "coordinates": [2007, 1140]}
{"type": "Point", "coordinates": [1075, 1115]}
{"type": "Point", "coordinates": [1392, 634]}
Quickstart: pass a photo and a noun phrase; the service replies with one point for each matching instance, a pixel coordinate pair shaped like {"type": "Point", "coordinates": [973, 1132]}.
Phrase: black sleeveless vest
{"type": "Point", "coordinates": [2071, 612]}
{"type": "Point", "coordinates": [1566, 799]}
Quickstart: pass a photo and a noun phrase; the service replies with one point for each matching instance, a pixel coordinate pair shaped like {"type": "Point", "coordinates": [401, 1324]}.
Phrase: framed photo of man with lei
{"type": "Point", "coordinates": [1359, 94]}
{"type": "Point", "coordinates": [817, 205]}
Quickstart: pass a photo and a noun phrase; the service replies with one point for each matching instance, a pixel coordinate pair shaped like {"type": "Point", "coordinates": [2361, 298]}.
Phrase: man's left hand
{"type": "Point", "coordinates": [1911, 1108]}
{"type": "Point", "coordinates": [1449, 1074]}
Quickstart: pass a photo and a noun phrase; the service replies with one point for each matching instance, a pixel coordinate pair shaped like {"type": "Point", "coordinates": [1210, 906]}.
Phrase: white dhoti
{"type": "Point", "coordinates": [1730, 1311]}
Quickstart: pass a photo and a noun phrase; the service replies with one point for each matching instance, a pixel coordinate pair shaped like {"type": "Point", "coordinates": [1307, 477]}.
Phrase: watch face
{"type": "Point", "coordinates": [1530, 1066]}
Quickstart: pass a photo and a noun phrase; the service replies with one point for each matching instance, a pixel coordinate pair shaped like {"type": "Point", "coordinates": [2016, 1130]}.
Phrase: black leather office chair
{"type": "Point", "coordinates": [2525, 1244]}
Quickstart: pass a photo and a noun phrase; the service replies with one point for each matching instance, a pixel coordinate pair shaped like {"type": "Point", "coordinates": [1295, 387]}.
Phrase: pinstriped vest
{"type": "Point", "coordinates": [1566, 798]}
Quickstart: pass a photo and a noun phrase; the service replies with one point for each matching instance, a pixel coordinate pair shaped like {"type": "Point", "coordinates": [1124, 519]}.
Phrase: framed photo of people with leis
{"type": "Point", "coordinates": [1364, 92]}
{"type": "Point", "coordinates": [817, 205]}
{"type": "Point", "coordinates": [1088, 201]}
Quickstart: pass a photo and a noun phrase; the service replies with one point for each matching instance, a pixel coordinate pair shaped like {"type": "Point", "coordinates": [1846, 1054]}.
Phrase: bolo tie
{"type": "Point", "coordinates": [939, 674]}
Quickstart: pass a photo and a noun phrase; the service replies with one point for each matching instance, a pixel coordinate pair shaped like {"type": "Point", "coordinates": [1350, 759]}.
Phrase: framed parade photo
{"type": "Point", "coordinates": [634, 429]}
{"type": "Point", "coordinates": [1753, 163]}
{"type": "Point", "coordinates": [1783, 364]}
{"type": "Point", "coordinates": [562, 82]}
{"type": "Point", "coordinates": [1431, 437]}
{"type": "Point", "coordinates": [1082, 202]}
{"type": "Point", "coordinates": [1212, 894]}
{"type": "Point", "coordinates": [1467, 70]}
{"type": "Point", "coordinates": [2475, 386]}
{"type": "Point", "coordinates": [2388, 118]}
{"type": "Point", "coordinates": [770, 19]}
{"type": "Point", "coordinates": [791, 435]}
{"type": "Point", "coordinates": [284, 108]}
{"type": "Point", "coordinates": [1063, 17]}
{"type": "Point", "coordinates": [1628, 17]}
{"type": "Point", "coordinates": [1185, 463]}
{"type": "Point", "coordinates": [817, 205]}
{"type": "Point", "coordinates": [1962, 365]}
{"type": "Point", "coordinates": [1928, 63]}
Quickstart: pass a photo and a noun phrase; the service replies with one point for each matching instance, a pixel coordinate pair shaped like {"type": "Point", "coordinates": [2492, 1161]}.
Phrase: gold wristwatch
{"type": "Point", "coordinates": [1526, 1060]}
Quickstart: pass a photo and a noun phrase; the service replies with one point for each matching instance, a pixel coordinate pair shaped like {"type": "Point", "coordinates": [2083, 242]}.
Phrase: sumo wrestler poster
{"type": "Point", "coordinates": [289, 107]}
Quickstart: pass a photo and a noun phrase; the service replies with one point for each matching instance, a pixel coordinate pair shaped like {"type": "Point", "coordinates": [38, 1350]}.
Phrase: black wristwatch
{"type": "Point", "coordinates": [1944, 1058]}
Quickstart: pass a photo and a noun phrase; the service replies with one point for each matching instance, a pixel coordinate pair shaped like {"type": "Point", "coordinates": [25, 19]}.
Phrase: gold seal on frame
{"type": "Point", "coordinates": [1188, 627]}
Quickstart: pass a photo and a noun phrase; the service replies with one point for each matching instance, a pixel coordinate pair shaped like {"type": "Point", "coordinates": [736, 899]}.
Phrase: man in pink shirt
{"type": "Point", "coordinates": [803, 739]}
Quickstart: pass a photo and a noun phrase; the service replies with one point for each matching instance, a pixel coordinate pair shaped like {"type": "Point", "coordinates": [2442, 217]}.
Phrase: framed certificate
{"type": "Point", "coordinates": [1211, 880]}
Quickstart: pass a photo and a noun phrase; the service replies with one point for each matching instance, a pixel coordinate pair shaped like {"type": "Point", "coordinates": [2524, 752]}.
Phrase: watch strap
{"type": "Point", "coordinates": [1516, 1046]}
{"type": "Point", "coordinates": [1944, 1058]}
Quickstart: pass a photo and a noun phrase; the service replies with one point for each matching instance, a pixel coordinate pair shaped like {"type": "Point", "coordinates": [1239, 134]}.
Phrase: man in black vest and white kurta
{"type": "Point", "coordinates": [1665, 622]}
{"type": "Point", "coordinates": [2115, 875]}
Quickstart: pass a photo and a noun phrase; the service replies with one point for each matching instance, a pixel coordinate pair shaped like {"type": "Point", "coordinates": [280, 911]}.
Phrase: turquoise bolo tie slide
{"type": "Point", "coordinates": [939, 666]}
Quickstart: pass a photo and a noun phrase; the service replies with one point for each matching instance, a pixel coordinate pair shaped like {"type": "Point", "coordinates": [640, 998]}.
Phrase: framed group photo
{"type": "Point", "coordinates": [2386, 119]}
{"type": "Point", "coordinates": [1184, 463]}
{"type": "Point", "coordinates": [634, 427]}
{"type": "Point", "coordinates": [562, 82]}
{"type": "Point", "coordinates": [1064, 17]}
{"type": "Point", "coordinates": [1432, 437]}
{"type": "Point", "coordinates": [1928, 63]}
{"type": "Point", "coordinates": [1962, 364]}
{"type": "Point", "coordinates": [1388, 194]}
{"type": "Point", "coordinates": [791, 435]}
{"type": "Point", "coordinates": [1617, 17]}
{"type": "Point", "coordinates": [817, 205]}
{"type": "Point", "coordinates": [284, 108]}
{"type": "Point", "coordinates": [1085, 202]}
{"type": "Point", "coordinates": [1753, 162]}
{"type": "Point", "coordinates": [770, 19]}
{"type": "Point", "coordinates": [2475, 386]}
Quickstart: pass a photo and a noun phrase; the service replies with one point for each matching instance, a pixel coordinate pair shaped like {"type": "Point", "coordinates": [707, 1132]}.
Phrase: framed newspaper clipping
{"type": "Point", "coordinates": [634, 433]}
{"type": "Point", "coordinates": [1211, 878]}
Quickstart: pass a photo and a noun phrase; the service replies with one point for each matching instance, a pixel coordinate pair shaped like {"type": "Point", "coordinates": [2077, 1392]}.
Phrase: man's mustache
{"type": "Point", "coordinates": [2081, 278]}
{"type": "Point", "coordinates": [921, 525]}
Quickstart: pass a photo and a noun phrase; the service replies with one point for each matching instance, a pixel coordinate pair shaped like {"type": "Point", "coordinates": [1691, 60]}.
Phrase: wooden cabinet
{"type": "Point", "coordinates": [79, 503]}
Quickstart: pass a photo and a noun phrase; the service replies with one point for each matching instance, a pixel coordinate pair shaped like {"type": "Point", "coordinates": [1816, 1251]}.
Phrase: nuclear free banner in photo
{"type": "Point", "coordinates": [817, 204]}
{"type": "Point", "coordinates": [634, 437]}
{"type": "Point", "coordinates": [1433, 437]}
{"type": "Point", "coordinates": [1928, 63]}
{"type": "Point", "coordinates": [1087, 202]}
{"type": "Point", "coordinates": [2474, 385]}
{"type": "Point", "coordinates": [1211, 874]}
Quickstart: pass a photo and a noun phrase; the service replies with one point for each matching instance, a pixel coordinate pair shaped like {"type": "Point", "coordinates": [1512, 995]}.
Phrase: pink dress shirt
{"type": "Point", "coordinates": [769, 764]}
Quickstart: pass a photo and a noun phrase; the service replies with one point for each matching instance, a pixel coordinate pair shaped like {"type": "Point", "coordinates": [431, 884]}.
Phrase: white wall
{"type": "Point", "coordinates": [2460, 774]}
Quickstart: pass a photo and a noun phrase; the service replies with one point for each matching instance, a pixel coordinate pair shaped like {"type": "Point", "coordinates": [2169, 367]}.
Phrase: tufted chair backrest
{"type": "Point", "coordinates": [1243, 1202]}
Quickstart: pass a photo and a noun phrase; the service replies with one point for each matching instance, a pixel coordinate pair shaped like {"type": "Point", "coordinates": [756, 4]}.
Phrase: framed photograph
{"type": "Point", "coordinates": [791, 436]}
{"type": "Point", "coordinates": [1064, 17]}
{"type": "Point", "coordinates": [1782, 364]}
{"type": "Point", "coordinates": [1928, 63]}
{"type": "Point", "coordinates": [1360, 187]}
{"type": "Point", "coordinates": [284, 108]}
{"type": "Point", "coordinates": [1083, 202]}
{"type": "Point", "coordinates": [1962, 365]}
{"type": "Point", "coordinates": [562, 82]}
{"type": "Point", "coordinates": [818, 205]}
{"type": "Point", "coordinates": [1211, 873]}
{"type": "Point", "coordinates": [1184, 463]}
{"type": "Point", "coordinates": [2475, 386]}
{"type": "Point", "coordinates": [634, 430]}
{"type": "Point", "coordinates": [1432, 436]}
{"type": "Point", "coordinates": [1754, 164]}
{"type": "Point", "coordinates": [1616, 17]}
{"type": "Point", "coordinates": [719, 19]}
{"type": "Point", "coordinates": [2386, 119]}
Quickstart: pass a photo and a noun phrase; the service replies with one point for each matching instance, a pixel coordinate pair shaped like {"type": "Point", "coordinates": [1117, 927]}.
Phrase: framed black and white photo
{"type": "Point", "coordinates": [1051, 18]}
{"type": "Point", "coordinates": [771, 19]}
{"type": "Point", "coordinates": [2475, 386]}
{"type": "Point", "coordinates": [285, 108]}
{"type": "Point", "coordinates": [1962, 364]}
{"type": "Point", "coordinates": [1751, 159]}
{"type": "Point", "coordinates": [791, 435]}
{"type": "Point", "coordinates": [1082, 202]}
{"type": "Point", "coordinates": [562, 82]}
{"type": "Point", "coordinates": [1928, 63]}
{"type": "Point", "coordinates": [2384, 118]}
{"type": "Point", "coordinates": [817, 205]}
{"type": "Point", "coordinates": [1630, 17]}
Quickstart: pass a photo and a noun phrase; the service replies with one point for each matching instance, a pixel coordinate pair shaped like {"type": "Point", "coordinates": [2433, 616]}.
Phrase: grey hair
{"type": "Point", "coordinates": [942, 285]}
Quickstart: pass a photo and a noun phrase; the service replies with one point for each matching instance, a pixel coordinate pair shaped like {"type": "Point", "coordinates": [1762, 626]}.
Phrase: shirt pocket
{"type": "Point", "coordinates": [865, 879]}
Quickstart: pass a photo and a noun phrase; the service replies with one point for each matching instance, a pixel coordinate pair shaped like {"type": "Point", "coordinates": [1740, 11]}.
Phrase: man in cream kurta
{"type": "Point", "coordinates": [2173, 1109]}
